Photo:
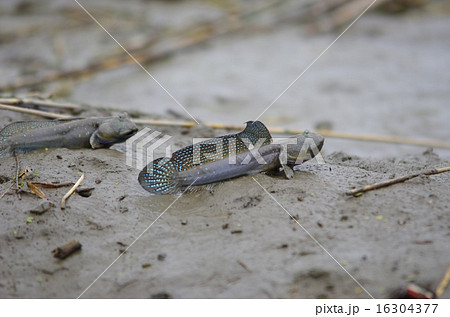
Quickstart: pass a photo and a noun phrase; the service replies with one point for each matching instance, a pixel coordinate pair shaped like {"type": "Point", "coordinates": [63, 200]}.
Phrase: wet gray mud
{"type": "Point", "coordinates": [232, 241]}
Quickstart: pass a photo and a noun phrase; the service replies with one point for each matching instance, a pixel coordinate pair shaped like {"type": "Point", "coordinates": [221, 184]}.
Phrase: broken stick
{"type": "Point", "coordinates": [67, 249]}
{"type": "Point", "coordinates": [53, 185]}
{"type": "Point", "coordinates": [389, 182]}
{"type": "Point", "coordinates": [35, 190]}
{"type": "Point", "coordinates": [18, 187]}
{"type": "Point", "coordinates": [443, 284]}
{"type": "Point", "coordinates": [71, 191]}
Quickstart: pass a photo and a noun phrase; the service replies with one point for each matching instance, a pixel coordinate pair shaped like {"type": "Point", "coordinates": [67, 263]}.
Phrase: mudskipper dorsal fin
{"type": "Point", "coordinates": [221, 147]}
{"type": "Point", "coordinates": [256, 131]}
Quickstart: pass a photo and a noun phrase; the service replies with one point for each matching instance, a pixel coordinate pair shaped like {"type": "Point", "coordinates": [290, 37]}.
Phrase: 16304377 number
{"type": "Point", "coordinates": [406, 308]}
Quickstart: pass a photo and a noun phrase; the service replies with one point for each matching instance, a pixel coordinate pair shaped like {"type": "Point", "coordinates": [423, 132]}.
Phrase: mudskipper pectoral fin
{"type": "Point", "coordinates": [93, 140]}
{"type": "Point", "coordinates": [289, 172]}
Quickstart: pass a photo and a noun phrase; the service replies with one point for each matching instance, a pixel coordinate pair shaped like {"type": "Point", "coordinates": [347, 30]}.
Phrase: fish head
{"type": "Point", "coordinates": [113, 130]}
{"type": "Point", "coordinates": [306, 146]}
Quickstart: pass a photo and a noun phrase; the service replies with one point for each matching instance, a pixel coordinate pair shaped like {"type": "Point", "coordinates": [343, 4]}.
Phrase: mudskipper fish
{"type": "Point", "coordinates": [227, 157]}
{"type": "Point", "coordinates": [25, 136]}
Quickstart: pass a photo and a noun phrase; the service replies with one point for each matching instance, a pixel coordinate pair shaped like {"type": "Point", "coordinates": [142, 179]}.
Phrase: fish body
{"type": "Point", "coordinates": [222, 169]}
{"type": "Point", "coordinates": [160, 176]}
{"type": "Point", "coordinates": [25, 136]}
{"type": "Point", "coordinates": [169, 175]}
{"type": "Point", "coordinates": [246, 163]}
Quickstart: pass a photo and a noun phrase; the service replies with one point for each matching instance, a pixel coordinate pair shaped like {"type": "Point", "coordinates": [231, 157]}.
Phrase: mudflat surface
{"type": "Point", "coordinates": [235, 241]}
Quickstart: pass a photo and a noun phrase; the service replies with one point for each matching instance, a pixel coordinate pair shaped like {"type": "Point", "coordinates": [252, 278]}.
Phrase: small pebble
{"type": "Point", "coordinates": [43, 207]}
{"type": "Point", "coordinates": [161, 295]}
{"type": "Point", "coordinates": [161, 256]}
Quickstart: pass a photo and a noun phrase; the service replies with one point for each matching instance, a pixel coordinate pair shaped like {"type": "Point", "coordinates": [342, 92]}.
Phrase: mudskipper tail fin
{"type": "Point", "coordinates": [24, 126]}
{"type": "Point", "coordinates": [160, 178]}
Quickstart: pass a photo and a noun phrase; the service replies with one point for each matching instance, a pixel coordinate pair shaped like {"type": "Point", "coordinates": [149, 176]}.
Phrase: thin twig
{"type": "Point", "coordinates": [35, 112]}
{"type": "Point", "coordinates": [39, 102]}
{"type": "Point", "coordinates": [17, 169]}
{"type": "Point", "coordinates": [52, 185]}
{"type": "Point", "coordinates": [15, 183]}
{"type": "Point", "coordinates": [443, 284]}
{"type": "Point", "coordinates": [71, 191]}
{"type": "Point", "coordinates": [243, 265]}
{"type": "Point", "coordinates": [359, 191]}
{"type": "Point", "coordinates": [6, 191]}
{"type": "Point", "coordinates": [17, 176]}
